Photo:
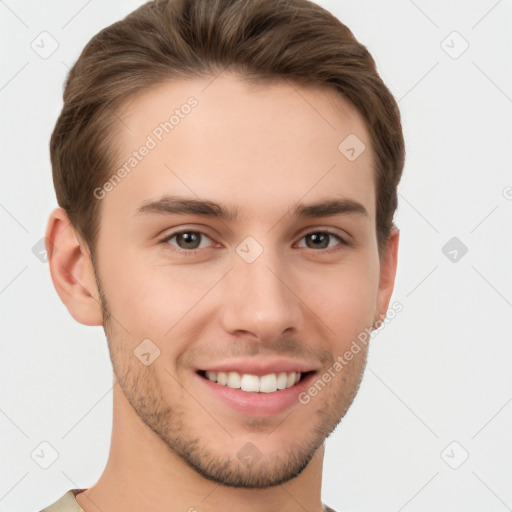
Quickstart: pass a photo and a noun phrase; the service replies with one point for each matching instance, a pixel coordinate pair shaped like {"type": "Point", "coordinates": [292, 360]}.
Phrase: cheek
{"type": "Point", "coordinates": [150, 299]}
{"type": "Point", "coordinates": [345, 299]}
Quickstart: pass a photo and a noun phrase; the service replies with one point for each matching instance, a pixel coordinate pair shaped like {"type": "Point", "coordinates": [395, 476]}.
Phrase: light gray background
{"type": "Point", "coordinates": [439, 372]}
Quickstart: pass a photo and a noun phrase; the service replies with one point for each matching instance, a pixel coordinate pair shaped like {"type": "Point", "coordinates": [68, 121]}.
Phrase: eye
{"type": "Point", "coordinates": [322, 240]}
{"type": "Point", "coordinates": [187, 241]}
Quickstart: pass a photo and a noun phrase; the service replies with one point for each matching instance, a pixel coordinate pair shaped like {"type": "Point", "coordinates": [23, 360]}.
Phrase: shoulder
{"type": "Point", "coordinates": [66, 503]}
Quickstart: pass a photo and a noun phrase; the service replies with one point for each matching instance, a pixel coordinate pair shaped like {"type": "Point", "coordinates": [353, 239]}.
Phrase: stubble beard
{"type": "Point", "coordinates": [143, 390]}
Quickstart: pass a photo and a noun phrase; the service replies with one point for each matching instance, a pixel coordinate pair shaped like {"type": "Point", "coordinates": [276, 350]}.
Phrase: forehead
{"type": "Point", "coordinates": [258, 147]}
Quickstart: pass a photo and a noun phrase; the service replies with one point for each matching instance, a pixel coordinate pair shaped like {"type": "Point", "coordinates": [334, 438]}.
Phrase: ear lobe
{"type": "Point", "coordinates": [388, 266]}
{"type": "Point", "coordinates": [71, 270]}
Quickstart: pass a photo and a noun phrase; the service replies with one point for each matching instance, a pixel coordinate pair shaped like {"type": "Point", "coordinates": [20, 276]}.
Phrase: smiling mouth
{"type": "Point", "coordinates": [270, 383]}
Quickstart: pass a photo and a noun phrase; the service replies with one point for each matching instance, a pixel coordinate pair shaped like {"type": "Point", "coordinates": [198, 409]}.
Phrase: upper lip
{"type": "Point", "coordinates": [260, 367]}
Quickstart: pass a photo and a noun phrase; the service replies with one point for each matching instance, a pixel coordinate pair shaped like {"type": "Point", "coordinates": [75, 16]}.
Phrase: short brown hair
{"type": "Point", "coordinates": [295, 40]}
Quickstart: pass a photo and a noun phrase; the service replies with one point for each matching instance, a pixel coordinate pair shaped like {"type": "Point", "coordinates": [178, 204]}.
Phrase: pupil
{"type": "Point", "coordinates": [321, 237]}
{"type": "Point", "coordinates": [189, 238]}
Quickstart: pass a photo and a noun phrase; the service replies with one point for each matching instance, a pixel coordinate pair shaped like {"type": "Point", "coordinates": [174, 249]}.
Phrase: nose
{"type": "Point", "coordinates": [259, 299]}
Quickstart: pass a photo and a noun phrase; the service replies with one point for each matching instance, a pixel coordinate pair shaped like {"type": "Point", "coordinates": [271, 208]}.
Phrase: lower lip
{"type": "Point", "coordinates": [258, 404]}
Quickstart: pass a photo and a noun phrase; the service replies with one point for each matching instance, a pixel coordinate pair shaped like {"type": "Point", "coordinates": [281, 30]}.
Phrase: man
{"type": "Point", "coordinates": [226, 173]}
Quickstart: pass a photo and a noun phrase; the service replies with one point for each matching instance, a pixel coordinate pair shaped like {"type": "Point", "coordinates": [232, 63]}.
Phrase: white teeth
{"type": "Point", "coordinates": [252, 383]}
{"type": "Point", "coordinates": [268, 383]}
{"type": "Point", "coordinates": [282, 380]}
{"type": "Point", "coordinates": [233, 380]}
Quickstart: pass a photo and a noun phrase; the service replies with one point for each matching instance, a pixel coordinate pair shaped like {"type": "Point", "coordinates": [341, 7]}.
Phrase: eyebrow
{"type": "Point", "coordinates": [178, 205]}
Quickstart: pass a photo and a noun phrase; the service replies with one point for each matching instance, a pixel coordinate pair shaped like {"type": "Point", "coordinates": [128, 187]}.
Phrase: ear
{"type": "Point", "coordinates": [388, 265]}
{"type": "Point", "coordinates": [71, 270]}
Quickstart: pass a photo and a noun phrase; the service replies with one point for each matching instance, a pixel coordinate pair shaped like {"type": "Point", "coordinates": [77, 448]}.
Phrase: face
{"type": "Point", "coordinates": [192, 298]}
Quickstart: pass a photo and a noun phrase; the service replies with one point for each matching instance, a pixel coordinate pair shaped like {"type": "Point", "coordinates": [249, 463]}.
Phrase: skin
{"type": "Point", "coordinates": [261, 149]}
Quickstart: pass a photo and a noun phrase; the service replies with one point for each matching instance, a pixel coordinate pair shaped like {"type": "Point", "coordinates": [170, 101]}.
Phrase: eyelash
{"type": "Point", "coordinates": [193, 252]}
